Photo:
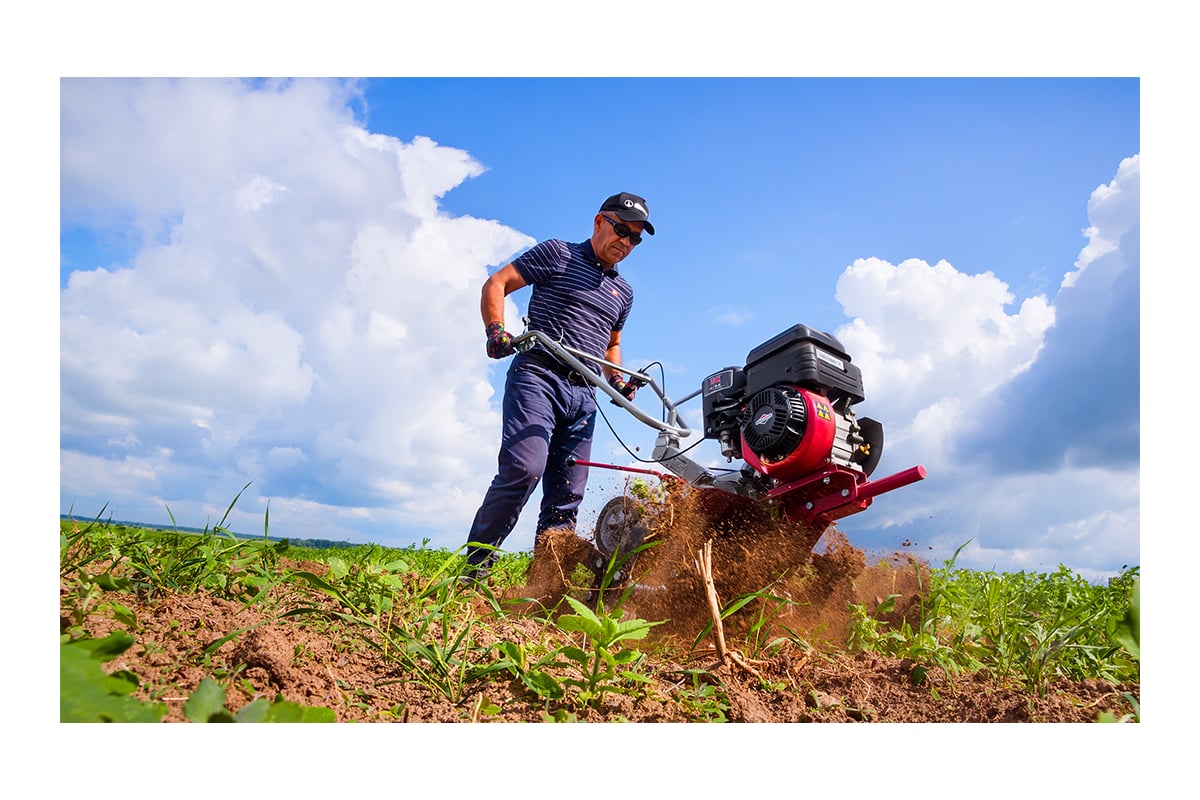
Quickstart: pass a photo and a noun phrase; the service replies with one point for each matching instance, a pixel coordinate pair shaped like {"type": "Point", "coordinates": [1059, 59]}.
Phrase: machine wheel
{"type": "Point", "coordinates": [620, 527]}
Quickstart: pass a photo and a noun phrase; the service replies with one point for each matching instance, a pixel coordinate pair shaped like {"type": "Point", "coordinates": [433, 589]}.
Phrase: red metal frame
{"type": "Point", "coordinates": [826, 495]}
{"type": "Point", "coordinates": [837, 492]}
{"type": "Point", "coordinates": [663, 475]}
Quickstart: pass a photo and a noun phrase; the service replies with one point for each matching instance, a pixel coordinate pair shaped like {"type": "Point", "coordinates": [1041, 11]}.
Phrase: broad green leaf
{"type": "Point", "coordinates": [123, 615]}
{"type": "Point", "coordinates": [581, 609]}
{"type": "Point", "coordinates": [635, 628]}
{"type": "Point", "coordinates": [575, 622]}
{"type": "Point", "coordinates": [1128, 629]}
{"type": "Point", "coordinates": [105, 649]}
{"type": "Point", "coordinates": [627, 656]}
{"type": "Point", "coordinates": [575, 654]}
{"type": "Point", "coordinates": [254, 711]}
{"type": "Point", "coordinates": [88, 694]}
{"type": "Point", "coordinates": [206, 702]}
{"type": "Point", "coordinates": [638, 677]}
{"type": "Point", "coordinates": [514, 653]}
{"type": "Point", "coordinates": [543, 685]}
{"type": "Point", "coordinates": [110, 583]}
{"type": "Point", "coordinates": [287, 711]}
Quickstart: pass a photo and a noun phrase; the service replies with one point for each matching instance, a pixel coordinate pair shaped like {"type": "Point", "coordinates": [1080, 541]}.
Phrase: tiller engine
{"type": "Point", "coordinates": [787, 415]}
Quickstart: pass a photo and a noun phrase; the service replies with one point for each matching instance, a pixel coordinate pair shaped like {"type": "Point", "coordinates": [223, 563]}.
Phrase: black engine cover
{"type": "Point", "coordinates": [804, 357]}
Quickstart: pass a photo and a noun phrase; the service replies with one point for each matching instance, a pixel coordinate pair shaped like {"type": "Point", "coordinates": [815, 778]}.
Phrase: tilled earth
{"type": "Point", "coordinates": [808, 678]}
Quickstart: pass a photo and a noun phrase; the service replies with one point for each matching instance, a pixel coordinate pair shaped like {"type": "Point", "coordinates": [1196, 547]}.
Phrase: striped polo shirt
{"type": "Point", "coordinates": [575, 300]}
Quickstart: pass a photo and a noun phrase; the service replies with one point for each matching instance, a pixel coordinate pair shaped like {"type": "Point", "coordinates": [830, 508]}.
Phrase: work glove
{"type": "Point", "coordinates": [626, 388]}
{"type": "Point", "coordinates": [499, 341]}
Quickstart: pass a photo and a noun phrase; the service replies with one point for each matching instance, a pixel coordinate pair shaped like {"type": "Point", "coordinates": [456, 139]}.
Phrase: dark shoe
{"type": "Point", "coordinates": [477, 574]}
{"type": "Point", "coordinates": [473, 577]}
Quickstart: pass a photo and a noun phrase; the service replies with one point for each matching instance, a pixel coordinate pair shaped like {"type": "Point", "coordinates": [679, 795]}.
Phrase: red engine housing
{"type": "Point", "coordinates": [811, 453]}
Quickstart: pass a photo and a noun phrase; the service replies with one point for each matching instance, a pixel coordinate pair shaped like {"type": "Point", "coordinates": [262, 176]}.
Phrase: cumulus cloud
{"type": "Point", "coordinates": [1027, 418]}
{"type": "Point", "coordinates": [298, 312]}
{"type": "Point", "coordinates": [1086, 385]}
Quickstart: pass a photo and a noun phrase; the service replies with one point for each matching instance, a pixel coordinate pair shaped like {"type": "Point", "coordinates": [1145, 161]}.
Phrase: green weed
{"type": "Point", "coordinates": [1030, 628]}
{"type": "Point", "coordinates": [767, 608]}
{"type": "Point", "coordinates": [423, 624]}
{"type": "Point", "coordinates": [703, 699]}
{"type": "Point", "coordinates": [602, 666]}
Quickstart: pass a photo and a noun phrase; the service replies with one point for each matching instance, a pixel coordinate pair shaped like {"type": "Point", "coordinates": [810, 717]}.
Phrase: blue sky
{"type": "Point", "coordinates": [277, 282]}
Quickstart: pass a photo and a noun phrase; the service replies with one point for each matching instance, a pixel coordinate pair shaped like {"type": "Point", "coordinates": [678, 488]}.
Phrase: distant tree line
{"type": "Point", "coordinates": [314, 544]}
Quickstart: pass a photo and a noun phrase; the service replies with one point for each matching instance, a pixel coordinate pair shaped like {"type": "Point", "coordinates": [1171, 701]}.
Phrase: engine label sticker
{"type": "Point", "coordinates": [718, 381]}
{"type": "Point", "coordinates": [828, 359]}
{"type": "Point", "coordinates": [823, 411]}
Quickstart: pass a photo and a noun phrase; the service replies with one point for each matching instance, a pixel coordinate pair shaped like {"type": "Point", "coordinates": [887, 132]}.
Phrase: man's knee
{"type": "Point", "coordinates": [522, 465]}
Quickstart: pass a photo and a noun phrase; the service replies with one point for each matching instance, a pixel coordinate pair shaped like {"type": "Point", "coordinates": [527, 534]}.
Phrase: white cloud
{"type": "Point", "coordinates": [299, 305]}
{"type": "Point", "coordinates": [1113, 211]}
{"type": "Point", "coordinates": [924, 333]}
{"type": "Point", "coordinates": [1026, 420]}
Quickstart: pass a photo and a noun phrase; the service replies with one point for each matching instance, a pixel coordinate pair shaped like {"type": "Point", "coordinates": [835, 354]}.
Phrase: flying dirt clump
{"type": "Point", "coordinates": [807, 576]}
{"type": "Point", "coordinates": [556, 555]}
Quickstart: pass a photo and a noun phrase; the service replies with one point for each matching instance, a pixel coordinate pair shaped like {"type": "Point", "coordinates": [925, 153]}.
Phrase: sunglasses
{"type": "Point", "coordinates": [623, 231]}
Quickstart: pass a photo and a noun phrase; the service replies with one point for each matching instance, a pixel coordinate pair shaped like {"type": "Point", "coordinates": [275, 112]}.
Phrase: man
{"type": "Point", "coordinates": [549, 411]}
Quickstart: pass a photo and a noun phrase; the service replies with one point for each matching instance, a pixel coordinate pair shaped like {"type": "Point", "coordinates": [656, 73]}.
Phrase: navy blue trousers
{"type": "Point", "coordinates": [547, 420]}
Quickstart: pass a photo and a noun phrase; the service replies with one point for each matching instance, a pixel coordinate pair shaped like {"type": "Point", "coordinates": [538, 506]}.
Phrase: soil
{"type": "Point", "coordinates": [809, 677]}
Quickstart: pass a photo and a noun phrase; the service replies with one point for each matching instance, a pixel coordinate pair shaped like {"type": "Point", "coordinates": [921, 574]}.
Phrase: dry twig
{"type": "Point", "coordinates": [704, 567]}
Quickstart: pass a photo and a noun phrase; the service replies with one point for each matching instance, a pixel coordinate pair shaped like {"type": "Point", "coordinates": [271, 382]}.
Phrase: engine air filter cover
{"type": "Point", "coordinates": [787, 432]}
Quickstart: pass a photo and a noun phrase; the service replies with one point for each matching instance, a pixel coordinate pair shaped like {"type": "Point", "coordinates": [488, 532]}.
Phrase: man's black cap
{"type": "Point", "coordinates": [630, 208]}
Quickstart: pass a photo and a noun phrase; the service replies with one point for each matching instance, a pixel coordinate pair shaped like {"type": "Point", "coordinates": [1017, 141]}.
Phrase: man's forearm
{"type": "Point", "coordinates": [612, 354]}
{"type": "Point", "coordinates": [491, 303]}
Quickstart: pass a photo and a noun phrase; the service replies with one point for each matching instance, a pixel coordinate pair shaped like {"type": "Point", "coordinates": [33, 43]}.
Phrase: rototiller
{"type": "Point", "coordinates": [787, 415]}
